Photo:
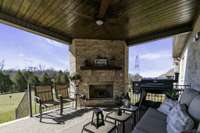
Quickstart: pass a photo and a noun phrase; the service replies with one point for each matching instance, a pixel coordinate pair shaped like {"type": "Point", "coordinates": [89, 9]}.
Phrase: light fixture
{"type": "Point", "coordinates": [99, 22]}
{"type": "Point", "coordinates": [196, 37]}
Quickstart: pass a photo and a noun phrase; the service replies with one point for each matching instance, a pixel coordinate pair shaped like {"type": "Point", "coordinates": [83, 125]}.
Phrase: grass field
{"type": "Point", "coordinates": [8, 104]}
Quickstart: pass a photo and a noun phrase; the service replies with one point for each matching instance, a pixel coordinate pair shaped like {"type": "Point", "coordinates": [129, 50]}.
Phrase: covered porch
{"type": "Point", "coordinates": [99, 33]}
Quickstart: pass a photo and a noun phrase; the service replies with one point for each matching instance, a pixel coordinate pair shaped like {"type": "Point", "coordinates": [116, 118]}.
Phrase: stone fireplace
{"type": "Point", "coordinates": [103, 66]}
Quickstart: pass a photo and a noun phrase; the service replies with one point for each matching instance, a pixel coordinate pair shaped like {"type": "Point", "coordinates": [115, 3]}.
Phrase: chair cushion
{"type": "Point", "coordinates": [187, 96]}
{"type": "Point", "coordinates": [178, 120]}
{"type": "Point", "coordinates": [166, 106]}
{"type": "Point", "coordinates": [151, 119]}
{"type": "Point", "coordinates": [194, 108]}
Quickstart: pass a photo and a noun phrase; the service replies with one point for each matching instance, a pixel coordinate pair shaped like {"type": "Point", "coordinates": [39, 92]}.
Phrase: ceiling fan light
{"type": "Point", "coordinates": [99, 22]}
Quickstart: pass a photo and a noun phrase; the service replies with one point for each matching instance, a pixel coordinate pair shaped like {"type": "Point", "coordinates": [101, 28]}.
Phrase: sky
{"type": "Point", "coordinates": [20, 49]}
{"type": "Point", "coordinates": [154, 58]}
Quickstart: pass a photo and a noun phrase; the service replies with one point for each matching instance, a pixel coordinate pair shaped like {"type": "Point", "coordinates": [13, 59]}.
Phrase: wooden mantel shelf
{"type": "Point", "coordinates": [100, 68]}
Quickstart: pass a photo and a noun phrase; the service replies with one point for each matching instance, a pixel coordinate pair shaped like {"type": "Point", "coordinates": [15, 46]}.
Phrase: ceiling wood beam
{"type": "Point", "coordinates": [103, 8]}
{"type": "Point", "coordinates": [160, 34]}
{"type": "Point", "coordinates": [27, 26]}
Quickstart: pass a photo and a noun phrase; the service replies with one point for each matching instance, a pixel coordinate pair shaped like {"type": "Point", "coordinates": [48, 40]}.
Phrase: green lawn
{"type": "Point", "coordinates": [8, 104]}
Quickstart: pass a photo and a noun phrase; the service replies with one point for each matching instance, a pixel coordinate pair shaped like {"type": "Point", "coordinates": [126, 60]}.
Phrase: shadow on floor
{"type": "Point", "coordinates": [53, 117]}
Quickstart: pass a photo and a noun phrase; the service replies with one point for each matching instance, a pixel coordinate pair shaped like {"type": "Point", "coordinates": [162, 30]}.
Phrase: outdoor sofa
{"type": "Point", "coordinates": [154, 121]}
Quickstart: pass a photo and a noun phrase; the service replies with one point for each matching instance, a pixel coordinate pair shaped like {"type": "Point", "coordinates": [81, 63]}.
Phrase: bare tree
{"type": "Point", "coordinates": [2, 64]}
{"type": "Point", "coordinates": [41, 67]}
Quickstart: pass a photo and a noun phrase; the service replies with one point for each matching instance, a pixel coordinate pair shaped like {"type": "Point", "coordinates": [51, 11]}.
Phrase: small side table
{"type": "Point", "coordinates": [133, 109]}
{"type": "Point", "coordinates": [107, 128]}
{"type": "Point", "coordinates": [119, 118]}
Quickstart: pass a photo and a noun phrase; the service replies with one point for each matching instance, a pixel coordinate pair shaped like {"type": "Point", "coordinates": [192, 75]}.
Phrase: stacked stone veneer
{"type": "Point", "coordinates": [87, 49]}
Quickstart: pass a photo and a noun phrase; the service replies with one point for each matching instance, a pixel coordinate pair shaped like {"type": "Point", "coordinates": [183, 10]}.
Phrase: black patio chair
{"type": "Point", "coordinates": [62, 94]}
{"type": "Point", "coordinates": [44, 97]}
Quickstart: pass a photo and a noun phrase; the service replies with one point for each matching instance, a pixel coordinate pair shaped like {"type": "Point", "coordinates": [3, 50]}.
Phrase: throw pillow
{"type": "Point", "coordinates": [187, 96]}
{"type": "Point", "coordinates": [166, 106]}
{"type": "Point", "coordinates": [178, 120]}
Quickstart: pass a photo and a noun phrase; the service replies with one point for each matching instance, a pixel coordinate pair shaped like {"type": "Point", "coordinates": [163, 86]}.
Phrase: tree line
{"type": "Point", "coordinates": [16, 81]}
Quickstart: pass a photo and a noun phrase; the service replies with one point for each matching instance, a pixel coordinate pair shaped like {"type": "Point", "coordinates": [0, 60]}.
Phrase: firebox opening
{"type": "Point", "coordinates": [100, 91]}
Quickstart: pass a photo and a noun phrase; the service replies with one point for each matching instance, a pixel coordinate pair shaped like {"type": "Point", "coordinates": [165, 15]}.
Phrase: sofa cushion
{"type": "Point", "coordinates": [153, 113]}
{"type": "Point", "coordinates": [187, 96]}
{"type": "Point", "coordinates": [178, 120]}
{"type": "Point", "coordinates": [194, 108]}
{"type": "Point", "coordinates": [166, 106]}
{"type": "Point", "coordinates": [136, 130]}
{"type": "Point", "coordinates": [198, 128]}
{"type": "Point", "coordinates": [153, 121]}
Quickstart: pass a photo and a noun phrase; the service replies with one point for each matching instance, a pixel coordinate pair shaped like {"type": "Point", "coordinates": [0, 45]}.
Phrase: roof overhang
{"type": "Point", "coordinates": [180, 40]}
{"type": "Point", "coordinates": [179, 44]}
{"type": "Point", "coordinates": [134, 21]}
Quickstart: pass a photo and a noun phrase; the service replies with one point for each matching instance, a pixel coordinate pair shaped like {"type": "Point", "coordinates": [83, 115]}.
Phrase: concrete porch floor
{"type": "Point", "coordinates": [71, 122]}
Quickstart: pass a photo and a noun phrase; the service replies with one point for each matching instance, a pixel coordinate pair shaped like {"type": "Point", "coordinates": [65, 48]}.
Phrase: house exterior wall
{"type": "Point", "coordinates": [182, 67]}
{"type": "Point", "coordinates": [190, 61]}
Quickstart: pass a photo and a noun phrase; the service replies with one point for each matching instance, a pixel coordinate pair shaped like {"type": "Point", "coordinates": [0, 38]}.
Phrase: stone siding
{"type": "Point", "coordinates": [87, 49]}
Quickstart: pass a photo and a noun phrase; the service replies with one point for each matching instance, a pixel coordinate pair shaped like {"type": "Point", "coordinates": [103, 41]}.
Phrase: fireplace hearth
{"type": "Point", "coordinates": [100, 91]}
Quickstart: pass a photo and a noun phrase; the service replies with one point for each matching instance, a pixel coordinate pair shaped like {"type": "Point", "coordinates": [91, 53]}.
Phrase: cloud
{"type": "Point", "coordinates": [55, 43]}
{"type": "Point", "coordinates": [155, 56]}
{"type": "Point", "coordinates": [153, 73]}
{"type": "Point", "coordinates": [35, 62]}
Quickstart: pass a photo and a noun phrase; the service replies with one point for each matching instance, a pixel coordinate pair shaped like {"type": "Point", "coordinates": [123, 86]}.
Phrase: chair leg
{"type": "Point", "coordinates": [82, 130]}
{"type": "Point", "coordinates": [61, 106]}
{"type": "Point", "coordinates": [35, 108]}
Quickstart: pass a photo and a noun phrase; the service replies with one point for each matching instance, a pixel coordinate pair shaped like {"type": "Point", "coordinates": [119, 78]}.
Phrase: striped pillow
{"type": "Point", "coordinates": [178, 120]}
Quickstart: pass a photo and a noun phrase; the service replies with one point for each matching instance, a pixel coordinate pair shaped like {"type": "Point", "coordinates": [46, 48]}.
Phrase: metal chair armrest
{"type": "Point", "coordinates": [37, 99]}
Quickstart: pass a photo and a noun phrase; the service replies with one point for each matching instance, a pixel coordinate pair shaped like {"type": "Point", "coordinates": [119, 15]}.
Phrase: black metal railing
{"type": "Point", "coordinates": [156, 97]}
{"type": "Point", "coordinates": [181, 87]}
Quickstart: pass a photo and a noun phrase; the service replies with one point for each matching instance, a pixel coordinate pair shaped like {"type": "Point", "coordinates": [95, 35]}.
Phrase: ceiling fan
{"type": "Point", "coordinates": [105, 13]}
{"type": "Point", "coordinates": [102, 11]}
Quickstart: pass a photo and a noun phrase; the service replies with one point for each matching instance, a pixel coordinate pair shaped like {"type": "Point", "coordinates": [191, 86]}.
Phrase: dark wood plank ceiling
{"type": "Point", "coordinates": [132, 20]}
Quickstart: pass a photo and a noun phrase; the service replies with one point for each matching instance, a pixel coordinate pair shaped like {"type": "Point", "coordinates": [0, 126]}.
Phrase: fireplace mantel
{"type": "Point", "coordinates": [100, 68]}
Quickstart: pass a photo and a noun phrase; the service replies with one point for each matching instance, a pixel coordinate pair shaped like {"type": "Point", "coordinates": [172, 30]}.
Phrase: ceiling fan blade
{"type": "Point", "coordinates": [83, 16]}
{"type": "Point", "coordinates": [103, 8]}
{"type": "Point", "coordinates": [123, 20]}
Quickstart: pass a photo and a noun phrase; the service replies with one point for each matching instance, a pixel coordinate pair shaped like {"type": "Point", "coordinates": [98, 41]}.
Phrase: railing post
{"type": "Point", "coordinates": [16, 115]}
{"type": "Point", "coordinates": [30, 100]}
